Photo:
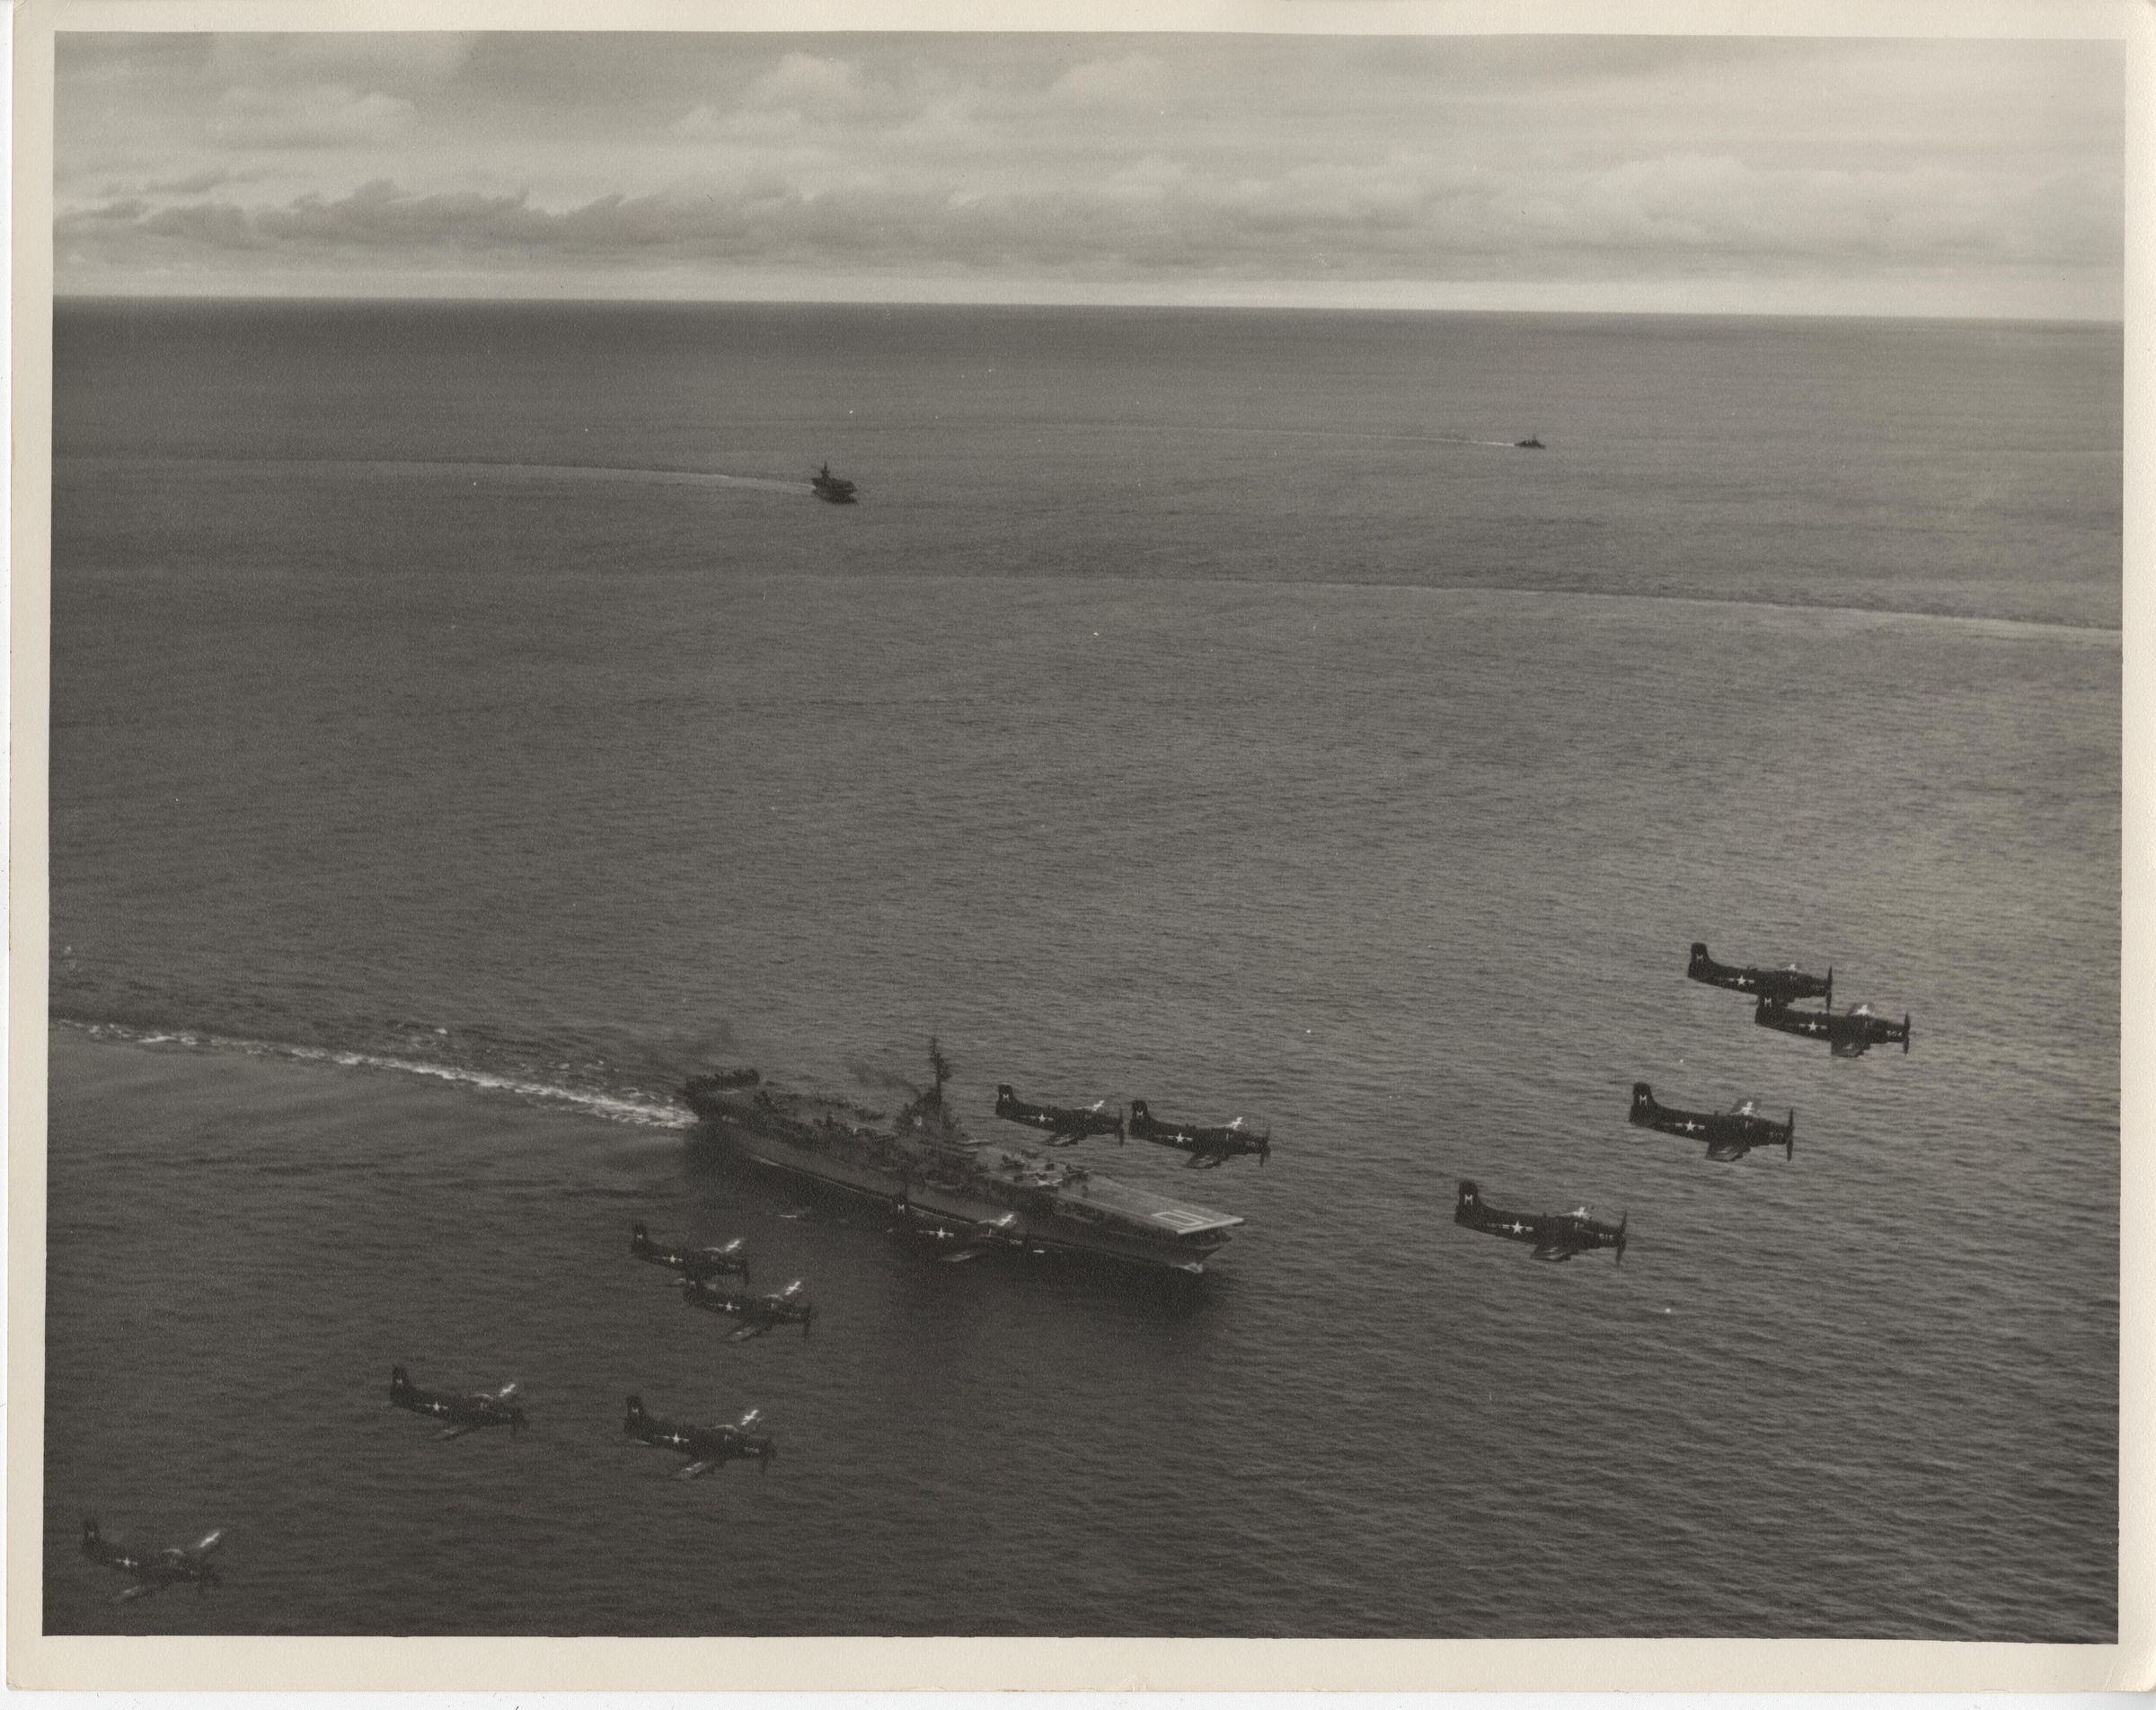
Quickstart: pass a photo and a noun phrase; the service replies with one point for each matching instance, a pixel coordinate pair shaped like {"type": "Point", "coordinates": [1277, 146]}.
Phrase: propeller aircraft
{"type": "Point", "coordinates": [695, 1263]}
{"type": "Point", "coordinates": [1209, 1148]}
{"type": "Point", "coordinates": [1782, 985]}
{"type": "Point", "coordinates": [1849, 1033]}
{"type": "Point", "coordinates": [961, 1241]}
{"type": "Point", "coordinates": [707, 1446]}
{"type": "Point", "coordinates": [1064, 1124]}
{"type": "Point", "coordinates": [153, 1572]}
{"type": "Point", "coordinates": [1729, 1134]}
{"type": "Point", "coordinates": [1556, 1235]}
{"type": "Point", "coordinates": [759, 1313]}
{"type": "Point", "coordinates": [463, 1414]}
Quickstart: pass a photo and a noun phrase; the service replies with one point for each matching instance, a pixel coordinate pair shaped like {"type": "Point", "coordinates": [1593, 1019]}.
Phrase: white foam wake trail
{"type": "Point", "coordinates": [613, 1106]}
{"type": "Point", "coordinates": [478, 472]}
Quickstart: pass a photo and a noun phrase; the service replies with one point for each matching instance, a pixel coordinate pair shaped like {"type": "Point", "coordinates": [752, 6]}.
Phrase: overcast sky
{"type": "Point", "coordinates": [1837, 176]}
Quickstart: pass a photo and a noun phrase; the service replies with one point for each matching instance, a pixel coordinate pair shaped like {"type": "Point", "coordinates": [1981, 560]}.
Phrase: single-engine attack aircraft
{"type": "Point", "coordinates": [1066, 1126]}
{"type": "Point", "coordinates": [1557, 1236]}
{"type": "Point", "coordinates": [758, 1313]}
{"type": "Point", "coordinates": [957, 1239]}
{"type": "Point", "coordinates": [464, 1413]}
{"type": "Point", "coordinates": [154, 1572]}
{"type": "Point", "coordinates": [708, 1447]}
{"type": "Point", "coordinates": [830, 489]}
{"type": "Point", "coordinates": [1729, 1134]}
{"type": "Point", "coordinates": [1209, 1148]}
{"type": "Point", "coordinates": [1781, 985]}
{"type": "Point", "coordinates": [694, 1261]}
{"type": "Point", "coordinates": [1849, 1033]}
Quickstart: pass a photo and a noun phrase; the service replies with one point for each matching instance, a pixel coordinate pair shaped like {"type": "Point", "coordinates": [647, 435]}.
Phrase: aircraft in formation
{"type": "Point", "coordinates": [952, 1240]}
{"type": "Point", "coordinates": [695, 1263]}
{"type": "Point", "coordinates": [1729, 1134]}
{"type": "Point", "coordinates": [1065, 1126]}
{"type": "Point", "coordinates": [1782, 985]}
{"type": "Point", "coordinates": [707, 1446]}
{"type": "Point", "coordinates": [759, 1313]}
{"type": "Point", "coordinates": [1848, 1033]}
{"type": "Point", "coordinates": [463, 1414]}
{"type": "Point", "coordinates": [154, 1570]}
{"type": "Point", "coordinates": [1555, 1235]}
{"type": "Point", "coordinates": [1209, 1148]}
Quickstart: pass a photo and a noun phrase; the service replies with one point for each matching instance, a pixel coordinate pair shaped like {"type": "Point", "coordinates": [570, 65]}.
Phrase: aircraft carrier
{"type": "Point", "coordinates": [924, 1158]}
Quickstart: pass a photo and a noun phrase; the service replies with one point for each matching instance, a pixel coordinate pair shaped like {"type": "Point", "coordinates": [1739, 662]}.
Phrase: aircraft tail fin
{"type": "Point", "coordinates": [1643, 1101]}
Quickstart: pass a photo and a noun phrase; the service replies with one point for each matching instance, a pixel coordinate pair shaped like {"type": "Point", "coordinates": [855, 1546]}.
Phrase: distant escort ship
{"type": "Point", "coordinates": [923, 1162]}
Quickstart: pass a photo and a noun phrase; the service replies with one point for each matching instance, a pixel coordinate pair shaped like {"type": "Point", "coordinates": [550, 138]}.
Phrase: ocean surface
{"type": "Point", "coordinates": [465, 725]}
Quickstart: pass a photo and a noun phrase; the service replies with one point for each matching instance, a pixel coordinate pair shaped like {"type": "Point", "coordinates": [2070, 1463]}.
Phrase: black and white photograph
{"type": "Point", "coordinates": [1096, 833]}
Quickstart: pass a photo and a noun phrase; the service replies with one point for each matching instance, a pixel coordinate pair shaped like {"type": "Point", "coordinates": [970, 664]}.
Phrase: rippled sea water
{"type": "Point", "coordinates": [465, 726]}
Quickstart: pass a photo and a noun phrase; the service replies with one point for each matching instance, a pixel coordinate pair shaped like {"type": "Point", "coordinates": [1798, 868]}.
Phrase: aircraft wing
{"type": "Point", "coordinates": [134, 1591]}
{"type": "Point", "coordinates": [1557, 1248]}
{"type": "Point", "coordinates": [697, 1468]}
{"type": "Point", "coordinates": [1727, 1151]}
{"type": "Point", "coordinates": [454, 1432]}
{"type": "Point", "coordinates": [748, 1331]}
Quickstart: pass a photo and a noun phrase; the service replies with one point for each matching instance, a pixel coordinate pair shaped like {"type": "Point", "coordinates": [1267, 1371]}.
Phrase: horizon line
{"type": "Point", "coordinates": [579, 300]}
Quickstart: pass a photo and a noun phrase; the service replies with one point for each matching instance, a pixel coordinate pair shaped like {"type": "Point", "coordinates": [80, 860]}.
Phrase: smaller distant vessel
{"type": "Point", "coordinates": [831, 488]}
{"type": "Point", "coordinates": [1533, 442]}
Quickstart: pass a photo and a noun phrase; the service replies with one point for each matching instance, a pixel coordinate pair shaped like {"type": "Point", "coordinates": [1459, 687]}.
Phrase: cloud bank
{"type": "Point", "coordinates": [1136, 163]}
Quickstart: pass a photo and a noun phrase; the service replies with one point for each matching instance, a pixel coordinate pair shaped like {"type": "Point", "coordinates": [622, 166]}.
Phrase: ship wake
{"type": "Point", "coordinates": [638, 1110]}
